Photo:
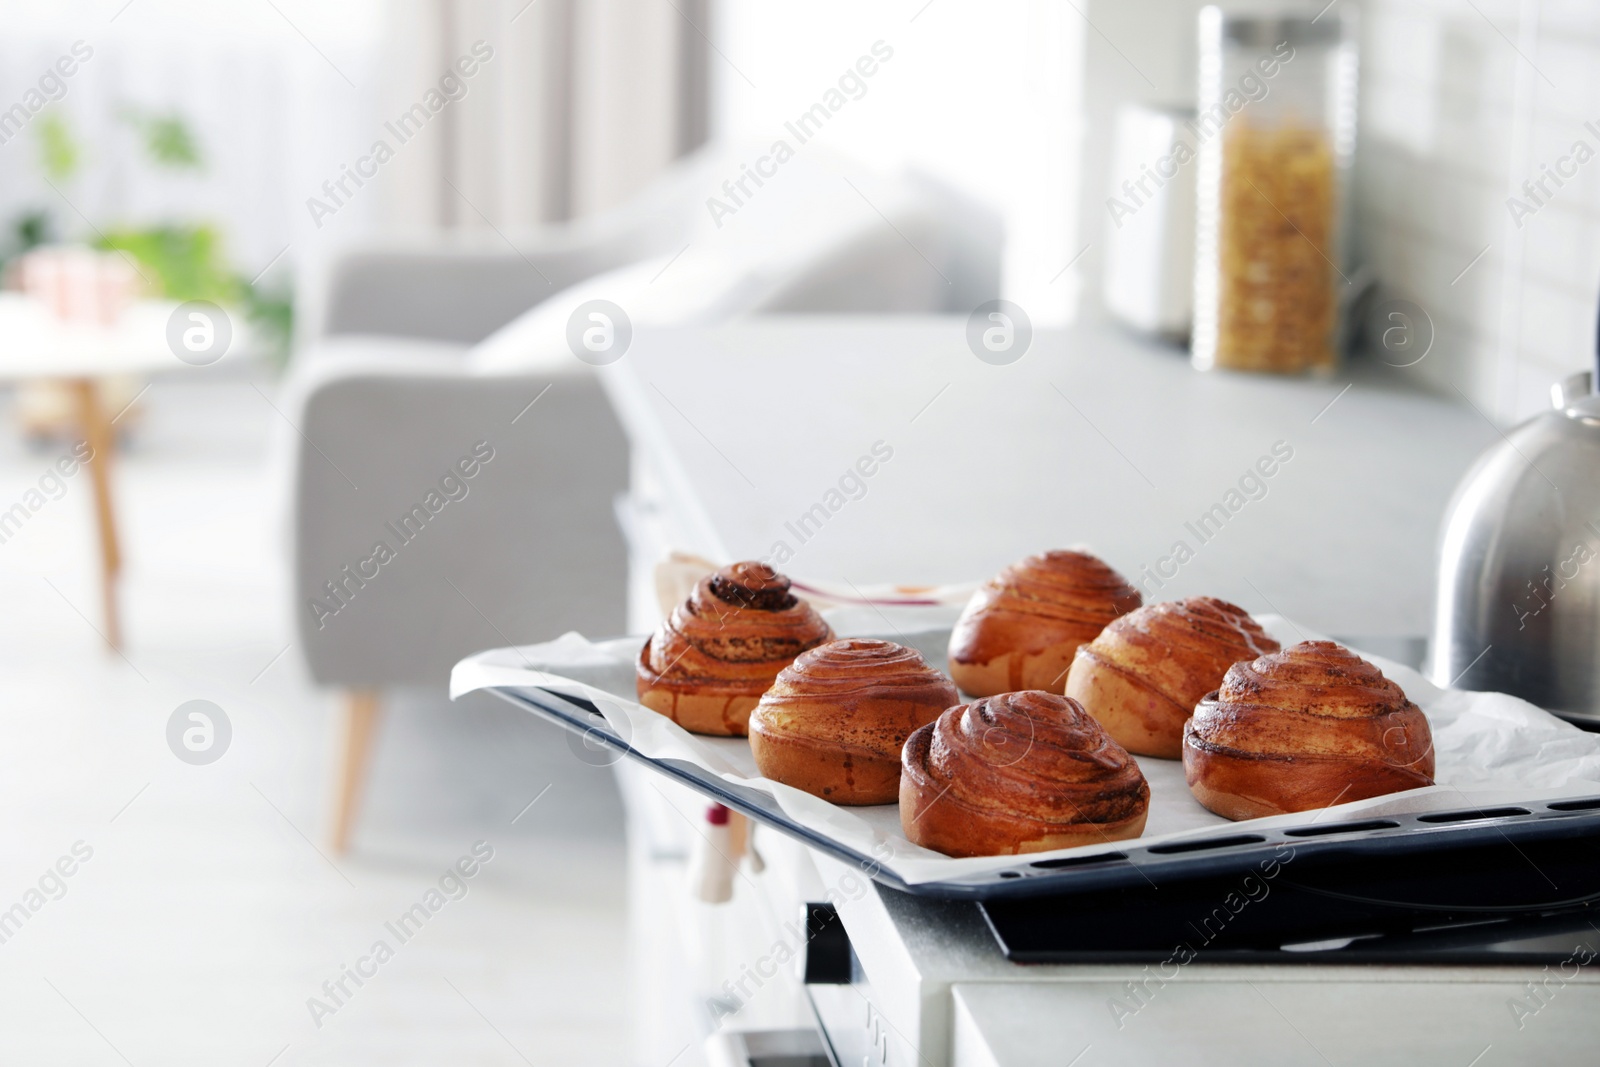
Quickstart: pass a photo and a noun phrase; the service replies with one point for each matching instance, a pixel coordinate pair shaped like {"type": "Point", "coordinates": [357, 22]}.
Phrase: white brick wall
{"type": "Point", "coordinates": [1453, 121]}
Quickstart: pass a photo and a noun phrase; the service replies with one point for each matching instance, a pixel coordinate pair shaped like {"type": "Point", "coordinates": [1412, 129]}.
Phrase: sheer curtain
{"type": "Point", "coordinates": [570, 107]}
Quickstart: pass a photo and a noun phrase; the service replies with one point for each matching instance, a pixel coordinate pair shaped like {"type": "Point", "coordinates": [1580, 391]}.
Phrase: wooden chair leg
{"type": "Point", "coordinates": [99, 435]}
{"type": "Point", "coordinates": [360, 725]}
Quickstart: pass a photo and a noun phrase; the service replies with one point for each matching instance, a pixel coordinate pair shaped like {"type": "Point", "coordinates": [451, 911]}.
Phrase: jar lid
{"type": "Point", "coordinates": [1260, 26]}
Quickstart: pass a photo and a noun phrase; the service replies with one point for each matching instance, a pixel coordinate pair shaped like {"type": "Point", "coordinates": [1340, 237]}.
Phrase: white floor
{"type": "Point", "coordinates": [210, 912]}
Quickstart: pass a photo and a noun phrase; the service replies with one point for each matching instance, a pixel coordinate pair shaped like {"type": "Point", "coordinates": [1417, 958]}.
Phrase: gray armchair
{"type": "Point", "coordinates": [450, 496]}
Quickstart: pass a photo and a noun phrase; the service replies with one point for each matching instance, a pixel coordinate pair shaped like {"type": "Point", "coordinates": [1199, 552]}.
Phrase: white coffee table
{"type": "Point", "coordinates": [36, 345]}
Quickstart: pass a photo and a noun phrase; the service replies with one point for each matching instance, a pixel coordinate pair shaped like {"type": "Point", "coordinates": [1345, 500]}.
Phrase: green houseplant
{"type": "Point", "coordinates": [183, 260]}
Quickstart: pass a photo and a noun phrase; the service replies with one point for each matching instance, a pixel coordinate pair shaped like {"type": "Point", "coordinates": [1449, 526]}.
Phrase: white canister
{"type": "Point", "coordinates": [1150, 225]}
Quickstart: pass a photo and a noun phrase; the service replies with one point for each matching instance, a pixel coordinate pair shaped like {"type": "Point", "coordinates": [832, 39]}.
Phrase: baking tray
{"type": "Point", "coordinates": [1494, 835]}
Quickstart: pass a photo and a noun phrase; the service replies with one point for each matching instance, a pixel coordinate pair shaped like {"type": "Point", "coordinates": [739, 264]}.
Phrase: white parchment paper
{"type": "Point", "coordinates": [1490, 748]}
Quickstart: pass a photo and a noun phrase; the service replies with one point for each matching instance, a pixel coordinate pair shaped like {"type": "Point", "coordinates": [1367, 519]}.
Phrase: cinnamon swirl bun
{"type": "Point", "coordinates": [1307, 727]}
{"type": "Point", "coordinates": [835, 720]}
{"type": "Point", "coordinates": [1021, 629]}
{"type": "Point", "coordinates": [1147, 670]}
{"type": "Point", "coordinates": [1020, 772]}
{"type": "Point", "coordinates": [713, 657]}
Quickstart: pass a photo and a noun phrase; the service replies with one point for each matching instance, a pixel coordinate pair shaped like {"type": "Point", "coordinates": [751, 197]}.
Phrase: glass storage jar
{"type": "Point", "coordinates": [1275, 128]}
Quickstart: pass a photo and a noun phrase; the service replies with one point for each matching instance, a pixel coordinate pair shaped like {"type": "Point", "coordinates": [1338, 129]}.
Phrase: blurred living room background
{"type": "Point", "coordinates": [396, 204]}
{"type": "Point", "coordinates": [161, 152]}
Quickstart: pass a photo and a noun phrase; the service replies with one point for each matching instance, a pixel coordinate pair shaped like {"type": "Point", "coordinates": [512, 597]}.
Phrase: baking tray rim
{"type": "Point", "coordinates": [1233, 850]}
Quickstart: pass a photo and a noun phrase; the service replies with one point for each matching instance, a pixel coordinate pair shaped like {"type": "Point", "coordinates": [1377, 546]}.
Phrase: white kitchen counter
{"type": "Point", "coordinates": [1091, 438]}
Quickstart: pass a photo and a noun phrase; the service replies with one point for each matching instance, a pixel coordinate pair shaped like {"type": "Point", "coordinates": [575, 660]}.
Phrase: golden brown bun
{"type": "Point", "coordinates": [1147, 670]}
{"type": "Point", "coordinates": [1021, 629]}
{"type": "Point", "coordinates": [1020, 772]}
{"type": "Point", "coordinates": [1304, 728]}
{"type": "Point", "coordinates": [710, 661]}
{"type": "Point", "coordinates": [835, 720]}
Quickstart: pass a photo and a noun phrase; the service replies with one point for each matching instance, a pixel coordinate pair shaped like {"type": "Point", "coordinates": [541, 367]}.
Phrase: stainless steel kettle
{"type": "Point", "coordinates": [1518, 607]}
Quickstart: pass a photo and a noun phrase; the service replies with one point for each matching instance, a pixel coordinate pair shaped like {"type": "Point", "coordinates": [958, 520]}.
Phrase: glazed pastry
{"type": "Point", "coordinates": [1307, 727]}
{"type": "Point", "coordinates": [1146, 671]}
{"type": "Point", "coordinates": [1019, 772]}
{"type": "Point", "coordinates": [1021, 629]}
{"type": "Point", "coordinates": [834, 722]}
{"type": "Point", "coordinates": [710, 661]}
